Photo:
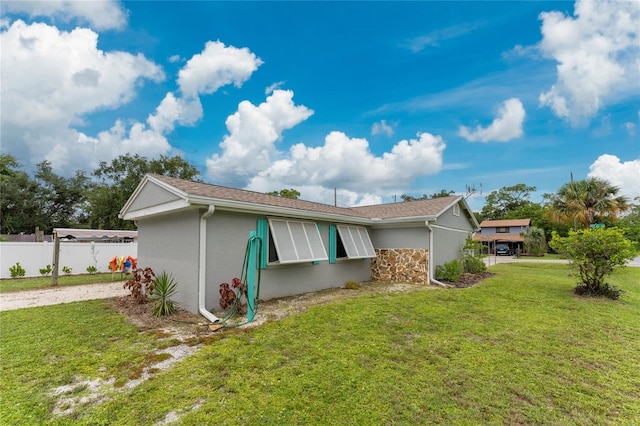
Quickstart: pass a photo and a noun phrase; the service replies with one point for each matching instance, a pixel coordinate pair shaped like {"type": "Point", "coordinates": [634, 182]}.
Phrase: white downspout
{"type": "Point", "coordinates": [432, 267]}
{"type": "Point", "coordinates": [202, 266]}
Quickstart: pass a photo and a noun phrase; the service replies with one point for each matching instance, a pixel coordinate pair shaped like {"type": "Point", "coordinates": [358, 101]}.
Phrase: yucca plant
{"type": "Point", "coordinates": [165, 287]}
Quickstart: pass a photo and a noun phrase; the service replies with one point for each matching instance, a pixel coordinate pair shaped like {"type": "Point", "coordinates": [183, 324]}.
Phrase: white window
{"type": "Point", "coordinates": [356, 241]}
{"type": "Point", "coordinates": [296, 241]}
{"type": "Point", "coordinates": [456, 210]}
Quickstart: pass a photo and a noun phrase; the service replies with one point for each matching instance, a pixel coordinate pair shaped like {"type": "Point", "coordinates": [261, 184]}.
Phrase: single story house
{"type": "Point", "coordinates": [198, 232]}
{"type": "Point", "coordinates": [508, 232]}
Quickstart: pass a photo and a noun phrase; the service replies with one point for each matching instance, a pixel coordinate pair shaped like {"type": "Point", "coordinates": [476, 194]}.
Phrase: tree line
{"type": "Point", "coordinates": [576, 205]}
{"type": "Point", "coordinates": [93, 200]}
{"type": "Point", "coordinates": [47, 200]}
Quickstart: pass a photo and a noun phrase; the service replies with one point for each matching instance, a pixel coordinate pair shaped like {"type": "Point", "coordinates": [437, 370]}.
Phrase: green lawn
{"type": "Point", "coordinates": [519, 348]}
{"type": "Point", "coordinates": [18, 284]}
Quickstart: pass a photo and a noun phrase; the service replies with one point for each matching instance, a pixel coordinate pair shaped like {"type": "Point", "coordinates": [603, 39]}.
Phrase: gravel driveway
{"type": "Point", "coordinates": [54, 296]}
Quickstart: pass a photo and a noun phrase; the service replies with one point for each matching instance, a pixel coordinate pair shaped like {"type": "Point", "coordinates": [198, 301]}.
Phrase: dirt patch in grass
{"type": "Point", "coordinates": [185, 327]}
{"type": "Point", "coordinates": [182, 325]}
{"type": "Point", "coordinates": [469, 280]}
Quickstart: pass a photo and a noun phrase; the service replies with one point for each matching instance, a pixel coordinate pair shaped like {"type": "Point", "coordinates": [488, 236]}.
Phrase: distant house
{"type": "Point", "coordinates": [507, 232]}
{"type": "Point", "coordinates": [198, 232]}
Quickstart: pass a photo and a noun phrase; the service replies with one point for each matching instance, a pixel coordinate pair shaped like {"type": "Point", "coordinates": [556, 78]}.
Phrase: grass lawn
{"type": "Point", "coordinates": [520, 348]}
{"type": "Point", "coordinates": [17, 284]}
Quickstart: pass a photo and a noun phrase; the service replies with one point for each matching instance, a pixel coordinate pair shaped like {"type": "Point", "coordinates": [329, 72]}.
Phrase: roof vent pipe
{"type": "Point", "coordinates": [202, 266]}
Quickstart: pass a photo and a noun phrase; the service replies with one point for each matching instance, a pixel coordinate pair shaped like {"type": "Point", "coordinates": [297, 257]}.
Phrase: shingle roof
{"type": "Point", "coordinates": [505, 222]}
{"type": "Point", "coordinates": [418, 208]}
{"type": "Point", "coordinates": [232, 194]}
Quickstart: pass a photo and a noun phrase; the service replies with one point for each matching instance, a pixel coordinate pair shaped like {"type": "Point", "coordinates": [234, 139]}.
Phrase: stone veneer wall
{"type": "Point", "coordinates": [401, 265]}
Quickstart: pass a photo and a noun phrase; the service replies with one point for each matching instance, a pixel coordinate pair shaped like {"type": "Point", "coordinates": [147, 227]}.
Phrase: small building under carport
{"type": "Point", "coordinates": [509, 232]}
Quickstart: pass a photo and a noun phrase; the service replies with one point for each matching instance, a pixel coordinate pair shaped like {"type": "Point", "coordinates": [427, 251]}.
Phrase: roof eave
{"type": "Point", "coordinates": [265, 209]}
{"type": "Point", "coordinates": [157, 210]}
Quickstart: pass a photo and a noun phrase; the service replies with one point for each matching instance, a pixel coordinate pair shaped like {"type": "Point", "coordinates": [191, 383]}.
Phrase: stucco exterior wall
{"type": "Point", "coordinates": [448, 243]}
{"type": "Point", "coordinates": [450, 220]}
{"type": "Point", "coordinates": [170, 243]}
{"type": "Point", "coordinates": [416, 236]}
{"type": "Point", "coordinates": [227, 235]}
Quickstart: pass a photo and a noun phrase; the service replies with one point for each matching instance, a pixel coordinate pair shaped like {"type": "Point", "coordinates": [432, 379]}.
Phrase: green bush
{"type": "Point", "coordinates": [17, 270]}
{"type": "Point", "coordinates": [164, 288]}
{"type": "Point", "coordinates": [352, 285]}
{"type": "Point", "coordinates": [67, 270]}
{"type": "Point", "coordinates": [92, 269]}
{"type": "Point", "coordinates": [595, 252]}
{"type": "Point", "coordinates": [450, 271]}
{"type": "Point", "coordinates": [471, 260]}
{"type": "Point", "coordinates": [474, 265]}
{"type": "Point", "coordinates": [45, 271]}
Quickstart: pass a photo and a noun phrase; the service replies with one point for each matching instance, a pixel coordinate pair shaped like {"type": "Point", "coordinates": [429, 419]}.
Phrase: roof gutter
{"type": "Point", "coordinates": [431, 265]}
{"type": "Point", "coordinates": [202, 266]}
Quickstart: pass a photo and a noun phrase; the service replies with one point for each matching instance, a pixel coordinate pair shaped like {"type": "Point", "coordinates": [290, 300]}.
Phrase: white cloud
{"type": "Point", "coordinates": [505, 127]}
{"type": "Point", "coordinates": [598, 54]}
{"type": "Point", "coordinates": [334, 165]}
{"type": "Point", "coordinates": [625, 175]}
{"type": "Point", "coordinates": [58, 77]}
{"type": "Point", "coordinates": [217, 66]}
{"type": "Point", "coordinates": [253, 131]}
{"type": "Point", "coordinates": [250, 157]}
{"type": "Point", "coordinates": [55, 78]}
{"type": "Point", "coordinates": [382, 128]}
{"type": "Point", "coordinates": [277, 85]}
{"type": "Point", "coordinates": [630, 128]}
{"type": "Point", "coordinates": [433, 39]}
{"type": "Point", "coordinates": [101, 15]}
{"type": "Point", "coordinates": [185, 112]}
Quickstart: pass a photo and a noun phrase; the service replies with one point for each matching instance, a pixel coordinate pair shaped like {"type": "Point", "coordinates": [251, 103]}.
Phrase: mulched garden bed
{"type": "Point", "coordinates": [468, 280]}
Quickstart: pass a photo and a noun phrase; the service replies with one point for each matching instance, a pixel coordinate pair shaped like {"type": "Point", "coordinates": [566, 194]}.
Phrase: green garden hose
{"type": "Point", "coordinates": [241, 290]}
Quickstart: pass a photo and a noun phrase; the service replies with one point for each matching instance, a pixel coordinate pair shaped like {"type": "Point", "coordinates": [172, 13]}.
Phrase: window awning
{"type": "Point", "coordinates": [297, 241]}
{"type": "Point", "coordinates": [94, 234]}
{"type": "Point", "coordinates": [356, 241]}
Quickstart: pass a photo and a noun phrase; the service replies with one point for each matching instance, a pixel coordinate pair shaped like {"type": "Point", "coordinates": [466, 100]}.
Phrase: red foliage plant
{"type": "Point", "coordinates": [141, 284]}
{"type": "Point", "coordinates": [228, 296]}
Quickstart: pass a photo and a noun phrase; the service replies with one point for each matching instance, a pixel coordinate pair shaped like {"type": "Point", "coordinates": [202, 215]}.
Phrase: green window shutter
{"type": "Point", "coordinates": [332, 244]}
{"type": "Point", "coordinates": [263, 234]}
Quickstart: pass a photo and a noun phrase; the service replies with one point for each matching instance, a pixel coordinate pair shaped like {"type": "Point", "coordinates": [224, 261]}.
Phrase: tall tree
{"type": "Point", "coordinates": [587, 201]}
{"type": "Point", "coordinates": [61, 200]}
{"type": "Point", "coordinates": [118, 180]}
{"type": "Point", "coordinates": [503, 202]}
{"type": "Point", "coordinates": [286, 193]}
{"type": "Point", "coordinates": [442, 193]}
{"type": "Point", "coordinates": [630, 223]}
{"type": "Point", "coordinates": [17, 197]}
{"type": "Point", "coordinates": [535, 241]}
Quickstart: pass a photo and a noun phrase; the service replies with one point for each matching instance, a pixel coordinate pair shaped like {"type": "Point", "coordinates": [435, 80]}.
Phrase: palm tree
{"type": "Point", "coordinates": [587, 200]}
{"type": "Point", "coordinates": [535, 241]}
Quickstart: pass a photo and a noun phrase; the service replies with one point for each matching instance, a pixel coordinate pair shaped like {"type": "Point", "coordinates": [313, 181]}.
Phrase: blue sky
{"type": "Point", "coordinates": [375, 99]}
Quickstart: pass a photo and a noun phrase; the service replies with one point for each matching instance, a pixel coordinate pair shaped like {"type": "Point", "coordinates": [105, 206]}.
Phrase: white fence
{"type": "Point", "coordinates": [77, 256]}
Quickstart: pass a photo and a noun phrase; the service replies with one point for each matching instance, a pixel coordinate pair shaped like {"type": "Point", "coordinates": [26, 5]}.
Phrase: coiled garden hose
{"type": "Point", "coordinates": [241, 290]}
